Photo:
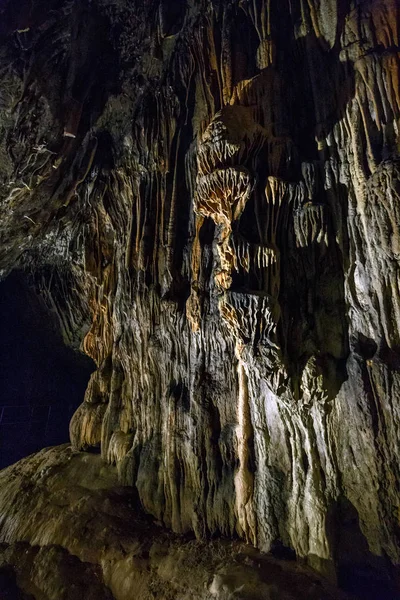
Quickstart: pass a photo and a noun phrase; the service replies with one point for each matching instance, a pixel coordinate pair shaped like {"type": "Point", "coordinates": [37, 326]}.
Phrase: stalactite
{"type": "Point", "coordinates": [244, 479]}
{"type": "Point", "coordinates": [206, 195]}
{"type": "Point", "coordinates": [310, 225]}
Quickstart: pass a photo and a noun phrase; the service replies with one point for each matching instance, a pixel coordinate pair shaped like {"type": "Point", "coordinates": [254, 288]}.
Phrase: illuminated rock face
{"type": "Point", "coordinates": [208, 195]}
{"type": "Point", "coordinates": [86, 538]}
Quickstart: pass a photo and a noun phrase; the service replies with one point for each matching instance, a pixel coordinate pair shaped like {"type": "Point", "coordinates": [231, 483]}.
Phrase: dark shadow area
{"type": "Point", "coordinates": [8, 586]}
{"type": "Point", "coordinates": [360, 572]}
{"type": "Point", "coordinates": [42, 381]}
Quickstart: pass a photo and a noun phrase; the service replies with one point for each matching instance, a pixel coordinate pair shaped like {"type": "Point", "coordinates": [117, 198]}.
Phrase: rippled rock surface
{"type": "Point", "coordinates": [207, 194]}
{"type": "Point", "coordinates": [83, 536]}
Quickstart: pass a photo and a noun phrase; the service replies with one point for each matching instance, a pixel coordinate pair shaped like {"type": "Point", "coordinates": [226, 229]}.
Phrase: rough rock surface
{"type": "Point", "coordinates": [73, 498]}
{"type": "Point", "coordinates": [207, 194]}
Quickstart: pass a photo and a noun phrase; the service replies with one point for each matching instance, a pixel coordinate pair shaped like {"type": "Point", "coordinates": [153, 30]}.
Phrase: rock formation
{"type": "Point", "coordinates": [207, 195]}
{"type": "Point", "coordinates": [81, 537]}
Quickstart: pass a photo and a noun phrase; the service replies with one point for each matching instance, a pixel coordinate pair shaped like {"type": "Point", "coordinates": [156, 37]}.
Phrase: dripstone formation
{"type": "Point", "coordinates": [207, 195]}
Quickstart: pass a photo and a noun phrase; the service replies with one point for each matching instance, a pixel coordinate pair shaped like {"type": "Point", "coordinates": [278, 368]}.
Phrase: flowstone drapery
{"type": "Point", "coordinates": [207, 195]}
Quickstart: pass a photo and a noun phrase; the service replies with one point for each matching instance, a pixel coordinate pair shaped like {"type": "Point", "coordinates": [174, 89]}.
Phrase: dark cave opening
{"type": "Point", "coordinates": [42, 381]}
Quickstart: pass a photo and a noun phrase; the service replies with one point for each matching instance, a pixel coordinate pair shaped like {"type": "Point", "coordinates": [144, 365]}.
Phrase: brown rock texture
{"type": "Point", "coordinates": [207, 194]}
{"type": "Point", "coordinates": [82, 537]}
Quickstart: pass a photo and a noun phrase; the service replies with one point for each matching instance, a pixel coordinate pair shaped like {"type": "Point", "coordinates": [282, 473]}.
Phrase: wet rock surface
{"type": "Point", "coordinates": [207, 195]}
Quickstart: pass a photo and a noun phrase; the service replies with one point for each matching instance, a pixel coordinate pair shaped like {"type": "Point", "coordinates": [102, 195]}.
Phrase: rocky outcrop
{"type": "Point", "coordinates": [207, 195]}
{"type": "Point", "coordinates": [86, 538]}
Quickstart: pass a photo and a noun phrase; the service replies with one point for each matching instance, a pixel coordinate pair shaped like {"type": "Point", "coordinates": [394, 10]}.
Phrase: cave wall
{"type": "Point", "coordinates": [207, 193]}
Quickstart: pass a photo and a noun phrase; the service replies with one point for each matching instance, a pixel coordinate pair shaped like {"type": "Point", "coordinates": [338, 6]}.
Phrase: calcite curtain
{"type": "Point", "coordinates": [207, 194]}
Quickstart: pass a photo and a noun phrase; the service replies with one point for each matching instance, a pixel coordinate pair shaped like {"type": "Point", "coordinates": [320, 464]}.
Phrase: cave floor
{"type": "Point", "coordinates": [67, 532]}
